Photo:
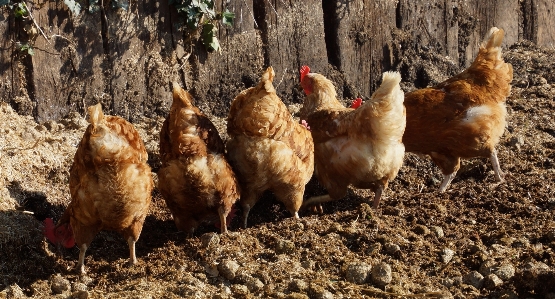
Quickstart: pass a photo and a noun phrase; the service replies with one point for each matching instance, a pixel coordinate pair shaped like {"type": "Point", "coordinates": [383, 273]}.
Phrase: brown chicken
{"type": "Point", "coordinates": [195, 179]}
{"type": "Point", "coordinates": [360, 147]}
{"type": "Point", "coordinates": [267, 148]}
{"type": "Point", "coordinates": [463, 117]}
{"type": "Point", "coordinates": [110, 184]}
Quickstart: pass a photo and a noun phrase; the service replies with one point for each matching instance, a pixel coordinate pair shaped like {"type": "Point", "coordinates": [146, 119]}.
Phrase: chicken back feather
{"type": "Point", "coordinates": [464, 116]}
{"type": "Point", "coordinates": [110, 183]}
{"type": "Point", "coordinates": [195, 179]}
{"type": "Point", "coordinates": [359, 147]}
{"type": "Point", "coordinates": [268, 149]}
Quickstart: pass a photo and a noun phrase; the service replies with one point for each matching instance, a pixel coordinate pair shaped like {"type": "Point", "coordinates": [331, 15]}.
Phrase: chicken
{"type": "Point", "coordinates": [195, 179]}
{"type": "Point", "coordinates": [360, 147]}
{"type": "Point", "coordinates": [110, 184]}
{"type": "Point", "coordinates": [463, 117]}
{"type": "Point", "coordinates": [268, 149]}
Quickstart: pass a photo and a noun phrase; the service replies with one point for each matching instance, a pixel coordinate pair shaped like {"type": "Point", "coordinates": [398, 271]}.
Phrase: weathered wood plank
{"type": "Point", "coordinates": [293, 35]}
{"type": "Point", "coordinates": [545, 23]}
{"type": "Point", "coordinates": [49, 69]}
{"type": "Point", "coordinates": [433, 24]}
{"type": "Point", "coordinates": [216, 78]}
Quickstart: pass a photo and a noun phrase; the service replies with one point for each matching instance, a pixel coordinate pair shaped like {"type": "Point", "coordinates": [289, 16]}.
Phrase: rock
{"type": "Point", "coordinates": [505, 271]}
{"type": "Point", "coordinates": [210, 240]}
{"type": "Point", "coordinates": [319, 292]}
{"type": "Point", "coordinates": [58, 284]}
{"type": "Point", "coordinates": [358, 272]}
{"type": "Point", "coordinates": [487, 267]}
{"type": "Point", "coordinates": [446, 255]}
{"type": "Point", "coordinates": [391, 248]}
{"type": "Point", "coordinates": [457, 280]}
{"type": "Point", "coordinates": [15, 292]}
{"type": "Point", "coordinates": [521, 242]}
{"type": "Point", "coordinates": [240, 290]}
{"type": "Point", "coordinates": [421, 230]}
{"type": "Point", "coordinates": [253, 284]}
{"type": "Point", "coordinates": [298, 285]}
{"type": "Point", "coordinates": [228, 269]}
{"type": "Point", "coordinates": [492, 281]}
{"type": "Point", "coordinates": [474, 279]}
{"type": "Point", "coordinates": [437, 231]}
{"type": "Point", "coordinates": [86, 280]}
{"type": "Point", "coordinates": [80, 295]}
{"type": "Point", "coordinates": [79, 286]}
{"type": "Point", "coordinates": [381, 274]}
{"type": "Point", "coordinates": [447, 282]}
{"type": "Point", "coordinates": [296, 296]}
{"type": "Point", "coordinates": [285, 246]}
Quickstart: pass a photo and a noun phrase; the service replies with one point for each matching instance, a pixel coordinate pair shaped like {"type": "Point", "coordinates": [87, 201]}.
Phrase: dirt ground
{"type": "Point", "coordinates": [477, 240]}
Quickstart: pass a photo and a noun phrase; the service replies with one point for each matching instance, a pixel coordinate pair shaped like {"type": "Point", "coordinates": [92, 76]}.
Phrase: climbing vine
{"type": "Point", "coordinates": [200, 19]}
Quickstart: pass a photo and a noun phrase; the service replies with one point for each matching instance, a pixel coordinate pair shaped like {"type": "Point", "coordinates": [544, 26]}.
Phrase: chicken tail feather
{"type": "Point", "coordinates": [180, 95]}
{"type": "Point", "coordinates": [95, 114]}
{"type": "Point", "coordinates": [494, 38]}
{"type": "Point", "coordinates": [267, 79]}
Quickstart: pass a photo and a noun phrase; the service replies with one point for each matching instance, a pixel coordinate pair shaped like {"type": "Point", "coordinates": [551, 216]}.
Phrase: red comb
{"type": "Point", "coordinates": [304, 71]}
{"type": "Point", "coordinates": [58, 235]}
{"type": "Point", "coordinates": [356, 103]}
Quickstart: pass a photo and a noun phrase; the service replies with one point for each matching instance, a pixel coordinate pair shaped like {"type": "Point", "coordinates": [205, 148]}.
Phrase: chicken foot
{"type": "Point", "coordinates": [447, 178]}
{"type": "Point", "coordinates": [132, 256]}
{"type": "Point", "coordinates": [499, 175]}
{"type": "Point", "coordinates": [81, 263]}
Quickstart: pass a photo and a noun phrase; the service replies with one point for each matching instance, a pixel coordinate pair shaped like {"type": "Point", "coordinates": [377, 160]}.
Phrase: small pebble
{"type": "Point", "coordinates": [492, 281]}
{"type": "Point", "coordinates": [446, 255]}
{"type": "Point", "coordinates": [239, 289]}
{"type": "Point", "coordinates": [474, 279]}
{"type": "Point", "coordinates": [381, 274]}
{"type": "Point", "coordinates": [505, 271]}
{"type": "Point", "coordinates": [358, 272]}
{"type": "Point", "coordinates": [298, 285]}
{"type": "Point", "coordinates": [421, 230]}
{"type": "Point", "coordinates": [58, 284]}
{"type": "Point", "coordinates": [285, 246]}
{"type": "Point", "coordinates": [319, 292]}
{"type": "Point", "coordinates": [210, 240]}
{"type": "Point", "coordinates": [391, 248]}
{"type": "Point", "coordinates": [437, 231]}
{"type": "Point", "coordinates": [79, 286]}
{"type": "Point", "coordinates": [228, 269]}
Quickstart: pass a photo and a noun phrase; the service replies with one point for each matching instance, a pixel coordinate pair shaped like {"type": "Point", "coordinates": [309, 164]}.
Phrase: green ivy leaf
{"type": "Point", "coordinates": [228, 17]}
{"type": "Point", "coordinates": [19, 10]}
{"type": "Point", "coordinates": [123, 4]}
{"type": "Point", "coordinates": [4, 2]}
{"type": "Point", "coordinates": [93, 6]}
{"type": "Point", "coordinates": [193, 18]}
{"type": "Point", "coordinates": [73, 6]}
{"type": "Point", "coordinates": [209, 38]}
